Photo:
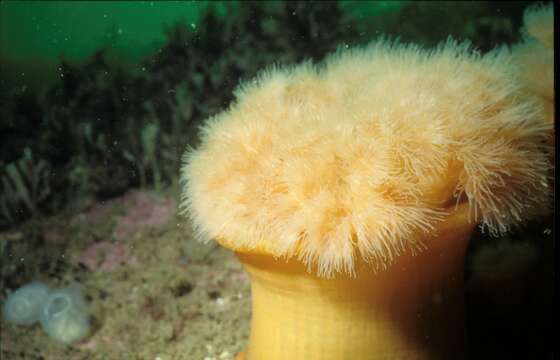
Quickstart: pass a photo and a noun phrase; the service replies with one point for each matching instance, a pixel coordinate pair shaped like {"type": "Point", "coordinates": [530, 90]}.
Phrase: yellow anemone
{"type": "Point", "coordinates": [349, 191]}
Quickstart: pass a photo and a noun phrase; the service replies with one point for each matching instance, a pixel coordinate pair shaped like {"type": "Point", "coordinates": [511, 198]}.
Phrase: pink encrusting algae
{"type": "Point", "coordinates": [106, 256]}
{"type": "Point", "coordinates": [146, 210]}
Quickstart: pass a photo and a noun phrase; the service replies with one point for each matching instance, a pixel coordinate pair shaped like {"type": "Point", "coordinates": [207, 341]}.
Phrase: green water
{"type": "Point", "coordinates": [34, 35]}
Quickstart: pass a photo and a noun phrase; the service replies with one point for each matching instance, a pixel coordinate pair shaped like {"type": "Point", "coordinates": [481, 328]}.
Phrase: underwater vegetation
{"type": "Point", "coordinates": [25, 185]}
{"type": "Point", "coordinates": [102, 128]}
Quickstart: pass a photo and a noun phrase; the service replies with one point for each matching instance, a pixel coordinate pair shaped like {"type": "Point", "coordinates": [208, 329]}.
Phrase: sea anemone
{"type": "Point", "coordinates": [23, 306]}
{"type": "Point", "coordinates": [349, 191]}
{"type": "Point", "coordinates": [64, 315]}
{"type": "Point", "coordinates": [535, 56]}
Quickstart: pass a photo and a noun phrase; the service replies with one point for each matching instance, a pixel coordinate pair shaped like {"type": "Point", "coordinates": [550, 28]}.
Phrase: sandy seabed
{"type": "Point", "coordinates": [153, 292]}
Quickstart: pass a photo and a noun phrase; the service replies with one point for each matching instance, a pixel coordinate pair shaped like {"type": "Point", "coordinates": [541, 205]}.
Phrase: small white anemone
{"type": "Point", "coordinates": [64, 315]}
{"type": "Point", "coordinates": [23, 305]}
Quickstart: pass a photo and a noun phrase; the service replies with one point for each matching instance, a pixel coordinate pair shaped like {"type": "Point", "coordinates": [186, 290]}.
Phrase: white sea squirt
{"type": "Point", "coordinates": [22, 307]}
{"type": "Point", "coordinates": [64, 315]}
